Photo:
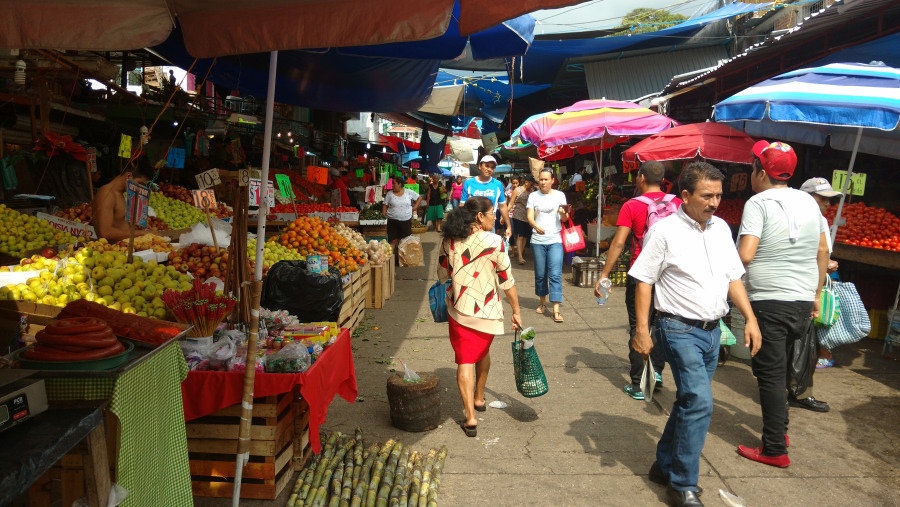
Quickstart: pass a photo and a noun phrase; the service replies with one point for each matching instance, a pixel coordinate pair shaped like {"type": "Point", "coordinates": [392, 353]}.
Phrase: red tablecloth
{"type": "Point", "coordinates": [205, 392]}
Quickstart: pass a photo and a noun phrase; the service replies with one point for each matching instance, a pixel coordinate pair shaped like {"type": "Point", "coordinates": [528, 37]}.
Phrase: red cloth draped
{"type": "Point", "coordinates": [204, 392]}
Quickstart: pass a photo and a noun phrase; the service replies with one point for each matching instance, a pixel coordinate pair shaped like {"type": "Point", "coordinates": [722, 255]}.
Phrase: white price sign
{"type": "Point", "coordinates": [255, 185]}
{"type": "Point", "coordinates": [208, 179]}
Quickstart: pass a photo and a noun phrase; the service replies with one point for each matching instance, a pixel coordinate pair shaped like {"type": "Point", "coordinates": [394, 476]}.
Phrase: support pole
{"type": "Point", "coordinates": [838, 220]}
{"type": "Point", "coordinates": [243, 453]}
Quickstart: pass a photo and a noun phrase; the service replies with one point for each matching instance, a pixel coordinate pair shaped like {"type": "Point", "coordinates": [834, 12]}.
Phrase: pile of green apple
{"type": "Point", "coordinates": [176, 214]}
{"type": "Point", "coordinates": [272, 253]}
{"type": "Point", "coordinates": [20, 233]}
{"type": "Point", "coordinates": [106, 278]}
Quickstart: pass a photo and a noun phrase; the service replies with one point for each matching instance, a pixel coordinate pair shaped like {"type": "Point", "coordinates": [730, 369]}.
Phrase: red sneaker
{"type": "Point", "coordinates": [755, 454]}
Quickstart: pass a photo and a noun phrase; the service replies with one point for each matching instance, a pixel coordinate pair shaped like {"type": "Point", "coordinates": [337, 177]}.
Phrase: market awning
{"type": "Point", "coordinates": [229, 27]}
{"type": "Point", "coordinates": [328, 80]}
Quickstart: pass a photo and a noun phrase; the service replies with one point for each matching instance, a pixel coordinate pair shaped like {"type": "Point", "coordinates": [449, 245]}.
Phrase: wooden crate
{"type": "Point", "coordinates": [381, 285]}
{"type": "Point", "coordinates": [354, 307]}
{"type": "Point", "coordinates": [213, 442]}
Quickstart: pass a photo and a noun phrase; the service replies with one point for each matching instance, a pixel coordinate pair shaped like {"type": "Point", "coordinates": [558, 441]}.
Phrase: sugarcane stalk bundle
{"type": "Point", "coordinates": [348, 474]}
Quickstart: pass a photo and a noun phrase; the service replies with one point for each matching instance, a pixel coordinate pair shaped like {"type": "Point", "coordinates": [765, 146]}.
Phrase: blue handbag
{"type": "Point", "coordinates": [437, 299]}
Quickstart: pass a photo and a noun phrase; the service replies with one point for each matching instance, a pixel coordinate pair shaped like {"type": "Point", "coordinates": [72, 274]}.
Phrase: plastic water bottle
{"type": "Point", "coordinates": [605, 284]}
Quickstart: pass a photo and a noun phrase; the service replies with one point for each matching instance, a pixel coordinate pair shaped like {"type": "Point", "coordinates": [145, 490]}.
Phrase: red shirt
{"type": "Point", "coordinates": [634, 215]}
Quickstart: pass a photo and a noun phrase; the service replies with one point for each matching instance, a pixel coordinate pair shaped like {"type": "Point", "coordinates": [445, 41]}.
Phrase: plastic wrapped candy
{"type": "Point", "coordinates": [292, 358]}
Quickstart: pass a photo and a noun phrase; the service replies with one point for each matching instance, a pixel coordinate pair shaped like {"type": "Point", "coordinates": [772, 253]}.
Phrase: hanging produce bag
{"type": "Point", "coordinates": [311, 297]}
{"type": "Point", "coordinates": [572, 238]}
{"type": "Point", "coordinates": [529, 374]}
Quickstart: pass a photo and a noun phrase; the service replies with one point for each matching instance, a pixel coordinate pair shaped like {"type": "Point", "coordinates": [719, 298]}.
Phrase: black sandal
{"type": "Point", "coordinates": [481, 408]}
{"type": "Point", "coordinates": [471, 431]}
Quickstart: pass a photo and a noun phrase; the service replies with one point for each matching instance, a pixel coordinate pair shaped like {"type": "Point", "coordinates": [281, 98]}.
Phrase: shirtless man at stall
{"type": "Point", "coordinates": [108, 206]}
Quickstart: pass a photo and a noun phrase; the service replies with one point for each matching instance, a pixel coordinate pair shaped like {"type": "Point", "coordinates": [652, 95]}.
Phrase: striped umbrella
{"type": "Point", "coordinates": [856, 105]}
{"type": "Point", "coordinates": [591, 125]}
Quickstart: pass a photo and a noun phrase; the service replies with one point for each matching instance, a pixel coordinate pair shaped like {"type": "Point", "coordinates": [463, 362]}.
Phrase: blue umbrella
{"type": "Point", "coordinates": [856, 105]}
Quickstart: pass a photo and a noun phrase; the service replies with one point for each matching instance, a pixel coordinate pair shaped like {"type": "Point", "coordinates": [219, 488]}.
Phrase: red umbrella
{"type": "Point", "coordinates": [712, 141]}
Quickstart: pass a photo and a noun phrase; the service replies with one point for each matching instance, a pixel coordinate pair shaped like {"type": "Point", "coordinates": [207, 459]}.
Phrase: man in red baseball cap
{"type": "Point", "coordinates": [784, 248]}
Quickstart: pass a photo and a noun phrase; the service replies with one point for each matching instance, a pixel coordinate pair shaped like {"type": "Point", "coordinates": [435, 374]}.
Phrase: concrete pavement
{"type": "Point", "coordinates": [587, 443]}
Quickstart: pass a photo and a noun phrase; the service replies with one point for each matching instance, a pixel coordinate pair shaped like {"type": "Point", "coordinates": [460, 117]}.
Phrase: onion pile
{"type": "Point", "coordinates": [378, 251]}
{"type": "Point", "coordinates": [355, 238]}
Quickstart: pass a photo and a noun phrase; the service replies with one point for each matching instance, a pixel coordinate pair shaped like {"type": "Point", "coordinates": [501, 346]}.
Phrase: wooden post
{"type": "Point", "coordinates": [211, 230]}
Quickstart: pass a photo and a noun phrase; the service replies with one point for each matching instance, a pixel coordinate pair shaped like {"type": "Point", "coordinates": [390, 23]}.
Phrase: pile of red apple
{"type": "Point", "coordinates": [80, 213]}
{"type": "Point", "coordinates": [155, 224]}
{"type": "Point", "coordinates": [201, 261]}
{"type": "Point", "coordinates": [177, 192]}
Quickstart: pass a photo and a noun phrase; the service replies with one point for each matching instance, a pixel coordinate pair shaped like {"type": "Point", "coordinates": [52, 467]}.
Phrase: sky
{"type": "Point", "coordinates": [599, 14]}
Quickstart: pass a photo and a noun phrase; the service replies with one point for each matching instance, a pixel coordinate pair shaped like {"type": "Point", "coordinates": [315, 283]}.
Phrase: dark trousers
{"type": "Point", "coordinates": [657, 357]}
{"type": "Point", "coordinates": [781, 324]}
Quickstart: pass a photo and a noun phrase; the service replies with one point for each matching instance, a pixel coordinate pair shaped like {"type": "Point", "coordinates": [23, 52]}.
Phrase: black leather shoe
{"type": "Point", "coordinates": [682, 498]}
{"type": "Point", "coordinates": [809, 404]}
{"type": "Point", "coordinates": [659, 477]}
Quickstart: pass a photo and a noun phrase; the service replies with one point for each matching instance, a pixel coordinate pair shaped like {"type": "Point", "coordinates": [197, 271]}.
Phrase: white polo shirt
{"type": "Point", "coordinates": [690, 267]}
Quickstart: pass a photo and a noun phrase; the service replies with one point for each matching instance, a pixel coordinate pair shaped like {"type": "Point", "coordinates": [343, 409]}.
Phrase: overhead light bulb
{"type": "Point", "coordinates": [174, 123]}
{"type": "Point", "coordinates": [383, 149]}
{"type": "Point", "coordinates": [278, 134]}
{"type": "Point", "coordinates": [290, 134]}
{"type": "Point", "coordinates": [19, 78]}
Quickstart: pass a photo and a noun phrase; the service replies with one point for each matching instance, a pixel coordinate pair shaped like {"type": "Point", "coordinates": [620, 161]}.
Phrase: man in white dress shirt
{"type": "Point", "coordinates": [692, 261]}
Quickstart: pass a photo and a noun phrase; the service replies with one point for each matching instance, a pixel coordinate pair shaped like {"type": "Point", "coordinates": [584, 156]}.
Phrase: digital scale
{"type": "Point", "coordinates": [21, 397]}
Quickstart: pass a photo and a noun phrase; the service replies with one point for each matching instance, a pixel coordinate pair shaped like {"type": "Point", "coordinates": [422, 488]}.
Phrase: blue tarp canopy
{"type": "Point", "coordinates": [485, 93]}
{"type": "Point", "coordinates": [544, 58]}
{"type": "Point", "coordinates": [510, 38]}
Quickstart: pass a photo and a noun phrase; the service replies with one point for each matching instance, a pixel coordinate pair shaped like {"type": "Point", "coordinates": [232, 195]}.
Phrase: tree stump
{"type": "Point", "coordinates": [415, 406]}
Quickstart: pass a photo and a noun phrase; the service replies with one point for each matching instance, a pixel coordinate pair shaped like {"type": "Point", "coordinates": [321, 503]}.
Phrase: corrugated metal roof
{"type": "Point", "coordinates": [634, 77]}
{"type": "Point", "coordinates": [840, 13]}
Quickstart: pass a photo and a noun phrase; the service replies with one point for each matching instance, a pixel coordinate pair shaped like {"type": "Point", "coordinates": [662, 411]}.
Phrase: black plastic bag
{"type": "Point", "coordinates": [802, 363]}
{"type": "Point", "coordinates": [311, 297]}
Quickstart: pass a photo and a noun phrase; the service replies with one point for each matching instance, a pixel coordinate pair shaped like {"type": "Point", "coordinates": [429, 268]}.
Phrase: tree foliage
{"type": "Point", "coordinates": [645, 20]}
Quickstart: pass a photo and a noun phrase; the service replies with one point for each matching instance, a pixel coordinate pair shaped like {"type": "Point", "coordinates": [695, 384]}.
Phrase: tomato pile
{"type": "Point", "coordinates": [731, 211]}
{"type": "Point", "coordinates": [311, 236]}
{"type": "Point", "coordinates": [867, 226]}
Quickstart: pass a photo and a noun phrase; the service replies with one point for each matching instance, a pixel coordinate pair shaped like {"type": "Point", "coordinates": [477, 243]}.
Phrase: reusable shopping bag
{"type": "Point", "coordinates": [853, 324]}
{"type": "Point", "coordinates": [437, 299]}
{"type": "Point", "coordinates": [829, 305]}
{"type": "Point", "coordinates": [572, 238]}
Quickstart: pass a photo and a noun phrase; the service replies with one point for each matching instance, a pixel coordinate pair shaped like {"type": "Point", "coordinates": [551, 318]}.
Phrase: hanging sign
{"type": "Point", "coordinates": [243, 177]}
{"type": "Point", "coordinates": [204, 199]}
{"type": "Point", "coordinates": [208, 179]}
{"type": "Point", "coordinates": [412, 186]}
{"type": "Point", "coordinates": [284, 185]}
{"type": "Point", "coordinates": [90, 159]}
{"type": "Point", "coordinates": [255, 185]}
{"type": "Point", "coordinates": [361, 159]}
{"type": "Point", "coordinates": [360, 173]}
{"type": "Point", "coordinates": [630, 165]}
{"type": "Point", "coordinates": [175, 158]}
{"type": "Point", "coordinates": [125, 146]}
{"type": "Point", "coordinates": [414, 165]}
{"type": "Point", "coordinates": [383, 179]}
{"type": "Point", "coordinates": [335, 199]}
{"type": "Point", "coordinates": [665, 186]}
{"type": "Point", "coordinates": [137, 202]}
{"type": "Point", "coordinates": [317, 174]}
{"type": "Point", "coordinates": [857, 182]}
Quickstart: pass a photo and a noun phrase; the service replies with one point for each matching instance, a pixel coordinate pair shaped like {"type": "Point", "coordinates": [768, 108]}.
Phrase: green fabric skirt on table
{"type": "Point", "coordinates": [435, 213]}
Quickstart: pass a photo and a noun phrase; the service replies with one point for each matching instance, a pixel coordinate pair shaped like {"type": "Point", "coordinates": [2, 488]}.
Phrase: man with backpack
{"type": "Point", "coordinates": [636, 216]}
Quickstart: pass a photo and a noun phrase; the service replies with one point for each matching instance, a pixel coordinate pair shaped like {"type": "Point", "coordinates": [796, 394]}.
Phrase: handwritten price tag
{"type": "Point", "coordinates": [125, 146]}
{"type": "Point", "coordinates": [857, 182]}
{"type": "Point", "coordinates": [204, 199]}
{"type": "Point", "coordinates": [208, 178]}
{"type": "Point", "coordinates": [175, 158]}
{"type": "Point", "coordinates": [284, 185]}
{"type": "Point", "coordinates": [137, 202]}
{"type": "Point", "coordinates": [738, 182]}
{"type": "Point", "coordinates": [244, 177]}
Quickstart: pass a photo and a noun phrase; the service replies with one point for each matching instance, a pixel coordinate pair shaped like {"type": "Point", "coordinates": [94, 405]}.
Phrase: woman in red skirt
{"type": "Point", "coordinates": [478, 264]}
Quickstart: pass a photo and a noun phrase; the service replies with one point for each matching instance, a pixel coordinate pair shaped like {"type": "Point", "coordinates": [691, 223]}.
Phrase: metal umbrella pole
{"type": "Point", "coordinates": [599, 205]}
{"type": "Point", "coordinates": [838, 220]}
{"type": "Point", "coordinates": [243, 450]}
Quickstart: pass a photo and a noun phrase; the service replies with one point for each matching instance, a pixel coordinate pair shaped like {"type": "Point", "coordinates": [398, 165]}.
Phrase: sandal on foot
{"type": "Point", "coordinates": [540, 309]}
{"type": "Point", "coordinates": [471, 431]}
{"type": "Point", "coordinates": [481, 408]}
{"type": "Point", "coordinates": [824, 363]}
{"type": "Point", "coordinates": [557, 317]}
{"type": "Point", "coordinates": [521, 261]}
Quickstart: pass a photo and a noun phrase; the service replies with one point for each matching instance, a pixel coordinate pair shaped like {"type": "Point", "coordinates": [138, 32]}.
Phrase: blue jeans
{"type": "Point", "coordinates": [692, 354]}
{"type": "Point", "coordinates": [548, 261]}
{"type": "Point", "coordinates": [455, 203]}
